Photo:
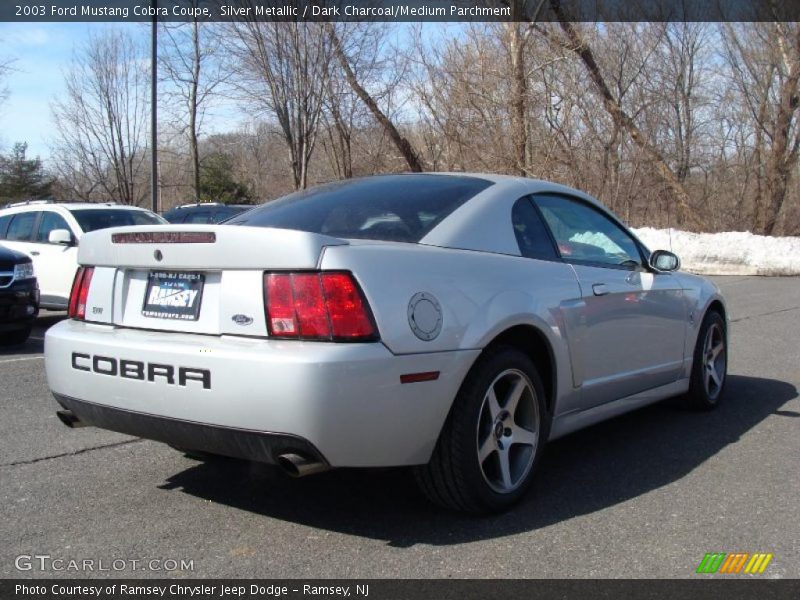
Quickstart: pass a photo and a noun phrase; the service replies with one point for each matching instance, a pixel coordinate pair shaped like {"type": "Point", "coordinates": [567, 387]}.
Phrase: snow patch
{"type": "Point", "coordinates": [728, 253]}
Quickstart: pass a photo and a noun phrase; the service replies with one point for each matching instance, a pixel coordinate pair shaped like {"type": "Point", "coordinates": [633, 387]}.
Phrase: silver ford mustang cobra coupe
{"type": "Point", "coordinates": [450, 322]}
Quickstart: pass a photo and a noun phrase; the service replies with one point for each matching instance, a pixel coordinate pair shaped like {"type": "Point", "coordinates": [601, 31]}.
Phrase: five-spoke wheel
{"type": "Point", "coordinates": [710, 363]}
{"type": "Point", "coordinates": [508, 431]}
{"type": "Point", "coordinates": [487, 452]}
{"type": "Point", "coordinates": [714, 361]}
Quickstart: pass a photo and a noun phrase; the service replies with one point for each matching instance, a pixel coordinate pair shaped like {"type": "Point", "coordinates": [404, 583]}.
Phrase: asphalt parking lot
{"type": "Point", "coordinates": [644, 495]}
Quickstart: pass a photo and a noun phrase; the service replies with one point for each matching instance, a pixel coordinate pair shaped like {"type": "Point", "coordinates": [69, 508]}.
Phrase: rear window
{"type": "Point", "coordinates": [174, 216]}
{"type": "Point", "coordinates": [92, 219]}
{"type": "Point", "coordinates": [397, 208]}
{"type": "Point", "coordinates": [223, 214]}
{"type": "Point", "coordinates": [201, 216]}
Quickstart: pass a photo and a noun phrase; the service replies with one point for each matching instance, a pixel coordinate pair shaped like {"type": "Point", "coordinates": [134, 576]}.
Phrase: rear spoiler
{"type": "Point", "coordinates": [203, 247]}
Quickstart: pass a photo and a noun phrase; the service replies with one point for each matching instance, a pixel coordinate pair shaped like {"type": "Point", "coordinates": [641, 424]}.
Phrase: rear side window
{"type": "Point", "coordinates": [92, 219]}
{"type": "Point", "coordinates": [21, 227]}
{"type": "Point", "coordinates": [4, 221]}
{"type": "Point", "coordinates": [532, 236]}
{"type": "Point", "coordinates": [585, 235]}
{"type": "Point", "coordinates": [50, 221]}
{"type": "Point", "coordinates": [398, 208]}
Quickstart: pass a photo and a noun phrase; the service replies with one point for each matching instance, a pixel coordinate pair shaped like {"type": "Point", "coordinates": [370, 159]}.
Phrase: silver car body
{"type": "Point", "coordinates": [607, 354]}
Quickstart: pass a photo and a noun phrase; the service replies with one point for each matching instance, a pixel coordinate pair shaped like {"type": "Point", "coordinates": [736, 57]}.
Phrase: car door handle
{"type": "Point", "coordinates": [599, 289]}
{"type": "Point", "coordinates": [34, 253]}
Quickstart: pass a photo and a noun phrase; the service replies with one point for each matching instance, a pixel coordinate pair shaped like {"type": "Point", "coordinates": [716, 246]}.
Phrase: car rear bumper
{"type": "Point", "coordinates": [342, 403]}
{"type": "Point", "coordinates": [262, 446]}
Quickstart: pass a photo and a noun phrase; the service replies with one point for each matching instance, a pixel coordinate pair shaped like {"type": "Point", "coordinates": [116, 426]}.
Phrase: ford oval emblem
{"type": "Point", "coordinates": [242, 319]}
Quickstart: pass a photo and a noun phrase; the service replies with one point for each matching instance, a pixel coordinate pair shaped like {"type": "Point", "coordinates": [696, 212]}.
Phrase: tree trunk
{"type": "Point", "coordinates": [402, 144]}
{"type": "Point", "coordinates": [519, 90]}
{"type": "Point", "coordinates": [783, 159]}
{"type": "Point", "coordinates": [686, 215]}
{"type": "Point", "coordinates": [758, 154]}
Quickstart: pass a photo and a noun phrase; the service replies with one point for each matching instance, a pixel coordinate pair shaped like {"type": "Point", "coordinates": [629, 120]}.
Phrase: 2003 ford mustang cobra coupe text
{"type": "Point", "coordinates": [446, 321]}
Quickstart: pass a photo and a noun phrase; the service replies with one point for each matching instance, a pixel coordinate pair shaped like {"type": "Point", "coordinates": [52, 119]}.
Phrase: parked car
{"type": "Point", "coordinates": [50, 232]}
{"type": "Point", "coordinates": [450, 322]}
{"type": "Point", "coordinates": [204, 212]}
{"type": "Point", "coordinates": [19, 297]}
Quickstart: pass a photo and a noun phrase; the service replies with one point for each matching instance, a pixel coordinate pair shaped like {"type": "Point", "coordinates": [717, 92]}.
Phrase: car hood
{"type": "Point", "coordinates": [9, 258]}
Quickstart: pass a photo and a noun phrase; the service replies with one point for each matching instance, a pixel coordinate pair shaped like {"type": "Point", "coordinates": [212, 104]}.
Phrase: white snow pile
{"type": "Point", "coordinates": [728, 253]}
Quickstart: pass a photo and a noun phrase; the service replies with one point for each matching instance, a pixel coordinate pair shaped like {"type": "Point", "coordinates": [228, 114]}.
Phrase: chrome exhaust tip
{"type": "Point", "coordinates": [296, 465]}
{"type": "Point", "coordinates": [68, 418]}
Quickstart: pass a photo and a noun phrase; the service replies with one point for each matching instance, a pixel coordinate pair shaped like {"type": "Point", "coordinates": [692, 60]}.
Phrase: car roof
{"type": "Point", "coordinates": [507, 182]}
{"type": "Point", "coordinates": [201, 205]}
{"type": "Point", "coordinates": [40, 205]}
{"type": "Point", "coordinates": [484, 221]}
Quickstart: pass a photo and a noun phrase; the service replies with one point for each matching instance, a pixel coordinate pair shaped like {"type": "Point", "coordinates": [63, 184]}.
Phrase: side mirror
{"type": "Point", "coordinates": [60, 236]}
{"type": "Point", "coordinates": [664, 261]}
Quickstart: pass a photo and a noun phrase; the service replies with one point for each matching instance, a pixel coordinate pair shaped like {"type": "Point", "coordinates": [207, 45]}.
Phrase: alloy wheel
{"type": "Point", "coordinates": [508, 431]}
{"type": "Point", "coordinates": [714, 361]}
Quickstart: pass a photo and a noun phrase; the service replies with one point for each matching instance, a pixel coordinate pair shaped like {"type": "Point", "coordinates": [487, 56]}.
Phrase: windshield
{"type": "Point", "coordinates": [397, 208]}
{"type": "Point", "coordinates": [92, 219]}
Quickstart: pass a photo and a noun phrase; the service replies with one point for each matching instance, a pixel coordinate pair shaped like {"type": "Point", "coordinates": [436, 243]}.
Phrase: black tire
{"type": "Point", "coordinates": [705, 392]}
{"type": "Point", "coordinates": [455, 477]}
{"type": "Point", "coordinates": [15, 338]}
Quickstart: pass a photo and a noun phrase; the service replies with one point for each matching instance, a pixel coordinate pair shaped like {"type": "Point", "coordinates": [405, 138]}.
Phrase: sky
{"type": "Point", "coordinates": [41, 53]}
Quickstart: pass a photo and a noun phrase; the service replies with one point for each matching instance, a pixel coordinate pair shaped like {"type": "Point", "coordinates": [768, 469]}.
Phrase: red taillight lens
{"type": "Point", "coordinates": [80, 292]}
{"type": "Point", "coordinates": [281, 319]}
{"type": "Point", "coordinates": [349, 316]}
{"type": "Point", "coordinates": [309, 304]}
{"type": "Point", "coordinates": [317, 306]}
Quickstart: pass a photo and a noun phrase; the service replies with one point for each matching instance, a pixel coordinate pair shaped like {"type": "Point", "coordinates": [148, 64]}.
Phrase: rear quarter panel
{"type": "Point", "coordinates": [481, 295]}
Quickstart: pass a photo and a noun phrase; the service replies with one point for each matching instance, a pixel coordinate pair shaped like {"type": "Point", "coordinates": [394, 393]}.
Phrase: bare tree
{"type": "Point", "coordinates": [282, 70]}
{"type": "Point", "coordinates": [764, 62]}
{"type": "Point", "coordinates": [345, 62]}
{"type": "Point", "coordinates": [652, 118]}
{"type": "Point", "coordinates": [676, 80]}
{"type": "Point", "coordinates": [340, 116]}
{"type": "Point", "coordinates": [517, 35]}
{"type": "Point", "coordinates": [576, 42]}
{"type": "Point", "coordinates": [189, 61]}
{"type": "Point", "coordinates": [6, 67]}
{"type": "Point", "coordinates": [101, 119]}
{"type": "Point", "coordinates": [463, 90]}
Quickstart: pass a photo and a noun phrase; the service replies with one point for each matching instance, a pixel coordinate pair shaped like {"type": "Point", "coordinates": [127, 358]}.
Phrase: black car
{"type": "Point", "coordinates": [19, 297]}
{"type": "Point", "coordinates": [205, 212]}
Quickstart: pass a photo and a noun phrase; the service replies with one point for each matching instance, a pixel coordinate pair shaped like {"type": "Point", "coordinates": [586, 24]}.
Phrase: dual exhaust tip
{"type": "Point", "coordinates": [296, 465]}
{"type": "Point", "coordinates": [293, 464]}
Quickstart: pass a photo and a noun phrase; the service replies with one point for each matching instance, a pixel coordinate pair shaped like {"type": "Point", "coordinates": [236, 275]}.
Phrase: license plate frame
{"type": "Point", "coordinates": [173, 295]}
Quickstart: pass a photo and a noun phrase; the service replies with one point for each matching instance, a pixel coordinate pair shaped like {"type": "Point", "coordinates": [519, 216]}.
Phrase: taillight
{"type": "Point", "coordinates": [80, 292]}
{"type": "Point", "coordinates": [346, 308]}
{"type": "Point", "coordinates": [324, 305]}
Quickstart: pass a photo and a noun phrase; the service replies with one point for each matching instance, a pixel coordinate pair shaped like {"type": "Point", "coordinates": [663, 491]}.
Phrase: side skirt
{"type": "Point", "coordinates": [564, 424]}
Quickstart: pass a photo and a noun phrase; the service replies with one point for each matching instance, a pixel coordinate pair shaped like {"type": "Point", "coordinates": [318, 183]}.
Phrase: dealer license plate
{"type": "Point", "coordinates": [172, 295]}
